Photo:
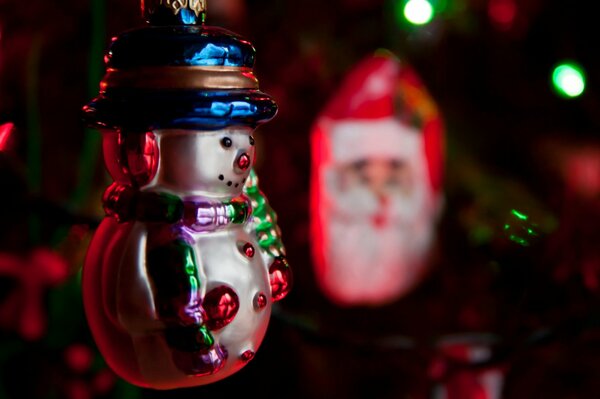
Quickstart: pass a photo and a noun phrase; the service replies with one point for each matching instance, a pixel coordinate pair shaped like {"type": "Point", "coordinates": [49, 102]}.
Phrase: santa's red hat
{"type": "Point", "coordinates": [381, 86]}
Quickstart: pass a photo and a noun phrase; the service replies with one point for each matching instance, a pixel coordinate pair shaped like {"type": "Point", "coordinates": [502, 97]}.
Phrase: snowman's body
{"type": "Point", "coordinates": [149, 283]}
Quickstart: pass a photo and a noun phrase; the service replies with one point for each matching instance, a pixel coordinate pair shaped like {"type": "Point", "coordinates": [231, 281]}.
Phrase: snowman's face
{"type": "Point", "coordinates": [209, 163]}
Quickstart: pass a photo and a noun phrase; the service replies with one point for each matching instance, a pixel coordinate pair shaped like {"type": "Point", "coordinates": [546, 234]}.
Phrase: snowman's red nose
{"type": "Point", "coordinates": [243, 162]}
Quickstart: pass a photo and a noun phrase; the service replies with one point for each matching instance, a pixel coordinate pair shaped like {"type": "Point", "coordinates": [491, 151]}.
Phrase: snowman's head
{"type": "Point", "coordinates": [208, 163]}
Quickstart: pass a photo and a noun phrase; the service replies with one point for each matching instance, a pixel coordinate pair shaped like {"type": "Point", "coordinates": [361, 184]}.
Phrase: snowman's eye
{"type": "Point", "coordinates": [251, 140]}
{"type": "Point", "coordinates": [226, 142]}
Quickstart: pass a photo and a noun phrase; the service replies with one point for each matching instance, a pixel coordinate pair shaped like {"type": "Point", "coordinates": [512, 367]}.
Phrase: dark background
{"type": "Point", "coordinates": [512, 144]}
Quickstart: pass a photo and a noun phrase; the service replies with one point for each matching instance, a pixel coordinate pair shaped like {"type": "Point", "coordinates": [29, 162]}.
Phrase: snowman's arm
{"type": "Point", "coordinates": [264, 220]}
{"type": "Point", "coordinates": [268, 235]}
{"type": "Point", "coordinates": [173, 270]}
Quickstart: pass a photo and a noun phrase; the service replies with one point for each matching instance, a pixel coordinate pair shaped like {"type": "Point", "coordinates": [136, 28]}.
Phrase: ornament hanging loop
{"type": "Point", "coordinates": [174, 12]}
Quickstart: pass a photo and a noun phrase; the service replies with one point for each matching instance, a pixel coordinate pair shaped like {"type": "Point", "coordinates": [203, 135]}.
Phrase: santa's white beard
{"type": "Point", "coordinates": [370, 262]}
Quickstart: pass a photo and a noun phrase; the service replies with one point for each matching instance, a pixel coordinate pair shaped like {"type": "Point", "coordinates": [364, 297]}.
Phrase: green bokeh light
{"type": "Point", "coordinates": [418, 12]}
{"type": "Point", "coordinates": [568, 79]}
{"type": "Point", "coordinates": [520, 229]}
{"type": "Point", "coordinates": [519, 215]}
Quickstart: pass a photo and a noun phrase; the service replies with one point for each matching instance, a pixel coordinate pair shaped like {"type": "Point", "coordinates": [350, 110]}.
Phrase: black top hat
{"type": "Point", "coordinates": [178, 73]}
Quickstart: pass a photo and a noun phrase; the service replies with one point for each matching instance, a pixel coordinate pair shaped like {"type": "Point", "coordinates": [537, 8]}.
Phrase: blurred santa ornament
{"type": "Point", "coordinates": [376, 184]}
{"type": "Point", "coordinates": [181, 275]}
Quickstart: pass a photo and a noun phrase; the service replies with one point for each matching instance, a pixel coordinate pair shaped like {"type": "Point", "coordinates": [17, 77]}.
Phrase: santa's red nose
{"type": "Point", "coordinates": [243, 161]}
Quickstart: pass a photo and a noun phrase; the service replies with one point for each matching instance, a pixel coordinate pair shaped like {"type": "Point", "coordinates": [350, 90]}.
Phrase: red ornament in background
{"type": "Point", "coordinates": [581, 171]}
{"type": "Point", "coordinates": [573, 247]}
{"type": "Point", "coordinates": [461, 372]}
{"type": "Point", "coordinates": [24, 308]}
{"type": "Point", "coordinates": [81, 381]}
{"type": "Point", "coordinates": [376, 184]}
{"type": "Point", "coordinates": [503, 13]}
{"type": "Point", "coordinates": [79, 358]}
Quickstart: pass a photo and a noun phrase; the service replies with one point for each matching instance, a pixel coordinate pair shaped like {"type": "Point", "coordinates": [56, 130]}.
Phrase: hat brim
{"type": "Point", "coordinates": [143, 110]}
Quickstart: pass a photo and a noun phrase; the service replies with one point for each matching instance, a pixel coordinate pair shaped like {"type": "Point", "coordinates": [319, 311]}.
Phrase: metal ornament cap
{"type": "Point", "coordinates": [174, 12]}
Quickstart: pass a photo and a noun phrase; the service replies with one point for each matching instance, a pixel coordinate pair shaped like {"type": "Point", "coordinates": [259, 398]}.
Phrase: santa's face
{"type": "Point", "coordinates": [375, 184]}
{"type": "Point", "coordinates": [379, 214]}
{"type": "Point", "coordinates": [381, 176]}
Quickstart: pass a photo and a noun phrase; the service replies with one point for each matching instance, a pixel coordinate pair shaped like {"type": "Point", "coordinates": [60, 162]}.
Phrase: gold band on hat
{"type": "Point", "coordinates": [197, 6]}
{"type": "Point", "coordinates": [188, 77]}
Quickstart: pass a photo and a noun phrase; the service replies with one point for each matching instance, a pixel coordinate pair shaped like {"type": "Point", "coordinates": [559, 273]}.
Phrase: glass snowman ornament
{"type": "Point", "coordinates": [181, 275]}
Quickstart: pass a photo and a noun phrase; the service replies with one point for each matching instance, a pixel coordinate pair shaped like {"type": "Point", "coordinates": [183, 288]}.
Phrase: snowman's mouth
{"type": "Point", "coordinates": [230, 183]}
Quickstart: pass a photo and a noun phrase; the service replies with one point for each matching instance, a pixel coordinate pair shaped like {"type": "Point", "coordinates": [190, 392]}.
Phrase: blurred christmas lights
{"type": "Point", "coordinates": [502, 12]}
{"type": "Point", "coordinates": [568, 79]}
{"type": "Point", "coordinates": [519, 215]}
{"type": "Point", "coordinates": [519, 229]}
{"type": "Point", "coordinates": [418, 12]}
